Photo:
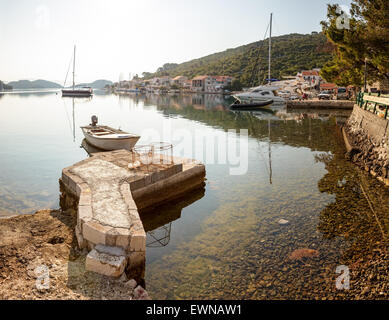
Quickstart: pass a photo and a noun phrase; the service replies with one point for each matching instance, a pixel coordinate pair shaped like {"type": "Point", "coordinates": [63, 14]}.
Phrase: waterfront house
{"type": "Point", "coordinates": [200, 83]}
{"type": "Point", "coordinates": [210, 84]}
{"type": "Point", "coordinates": [311, 75]}
{"type": "Point", "coordinates": [222, 81]}
{"type": "Point", "coordinates": [179, 81]}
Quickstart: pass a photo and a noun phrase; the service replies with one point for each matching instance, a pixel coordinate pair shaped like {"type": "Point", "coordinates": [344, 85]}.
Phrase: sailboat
{"type": "Point", "coordinates": [79, 91]}
{"type": "Point", "coordinates": [262, 94]}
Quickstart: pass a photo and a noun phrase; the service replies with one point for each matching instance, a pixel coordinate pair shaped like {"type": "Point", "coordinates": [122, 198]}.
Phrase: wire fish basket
{"type": "Point", "coordinates": [141, 156]}
{"type": "Point", "coordinates": [156, 153]}
{"type": "Point", "coordinates": [163, 153]}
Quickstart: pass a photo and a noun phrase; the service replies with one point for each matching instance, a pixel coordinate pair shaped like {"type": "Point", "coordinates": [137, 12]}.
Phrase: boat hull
{"type": "Point", "coordinates": [77, 93]}
{"type": "Point", "coordinates": [111, 144]}
{"type": "Point", "coordinates": [256, 100]}
{"type": "Point", "coordinates": [252, 106]}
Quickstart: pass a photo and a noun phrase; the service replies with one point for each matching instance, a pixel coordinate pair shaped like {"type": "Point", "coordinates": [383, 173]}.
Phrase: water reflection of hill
{"type": "Point", "coordinates": [309, 131]}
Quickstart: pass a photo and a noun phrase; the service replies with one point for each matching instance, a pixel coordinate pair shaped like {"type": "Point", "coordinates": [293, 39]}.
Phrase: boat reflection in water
{"type": "Point", "coordinates": [90, 150]}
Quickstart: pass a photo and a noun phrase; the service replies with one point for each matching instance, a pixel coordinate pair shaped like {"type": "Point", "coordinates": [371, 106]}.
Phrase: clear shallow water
{"type": "Point", "coordinates": [224, 242]}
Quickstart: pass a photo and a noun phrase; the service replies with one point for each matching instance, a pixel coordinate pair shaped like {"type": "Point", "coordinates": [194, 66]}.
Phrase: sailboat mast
{"type": "Point", "coordinates": [74, 65]}
{"type": "Point", "coordinates": [271, 28]}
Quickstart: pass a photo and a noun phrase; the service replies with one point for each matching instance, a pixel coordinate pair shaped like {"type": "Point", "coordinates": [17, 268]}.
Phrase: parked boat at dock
{"type": "Point", "coordinates": [107, 138]}
{"type": "Point", "coordinates": [265, 92]}
{"type": "Point", "coordinates": [259, 95]}
{"type": "Point", "coordinates": [265, 104]}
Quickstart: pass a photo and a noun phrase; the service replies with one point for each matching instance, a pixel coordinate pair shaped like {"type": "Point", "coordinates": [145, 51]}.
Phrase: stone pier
{"type": "Point", "coordinates": [108, 196]}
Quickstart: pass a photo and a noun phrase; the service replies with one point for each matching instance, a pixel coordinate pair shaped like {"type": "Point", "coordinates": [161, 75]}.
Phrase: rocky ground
{"type": "Point", "coordinates": [39, 260]}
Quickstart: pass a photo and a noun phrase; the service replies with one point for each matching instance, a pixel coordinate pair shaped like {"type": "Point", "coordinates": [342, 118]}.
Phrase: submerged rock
{"type": "Point", "coordinates": [303, 253]}
{"type": "Point", "coordinates": [283, 222]}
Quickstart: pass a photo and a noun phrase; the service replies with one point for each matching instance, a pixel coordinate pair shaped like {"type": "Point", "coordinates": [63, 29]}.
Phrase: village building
{"type": "Point", "coordinates": [180, 81]}
{"type": "Point", "coordinates": [210, 84]}
{"type": "Point", "coordinates": [311, 75]}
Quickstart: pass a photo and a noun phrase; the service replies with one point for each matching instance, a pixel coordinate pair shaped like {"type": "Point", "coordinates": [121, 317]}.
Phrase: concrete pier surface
{"type": "Point", "coordinates": [320, 104]}
{"type": "Point", "coordinates": [109, 191]}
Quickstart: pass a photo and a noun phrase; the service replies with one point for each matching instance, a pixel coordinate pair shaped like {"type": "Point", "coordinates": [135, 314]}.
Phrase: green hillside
{"type": "Point", "coordinates": [249, 63]}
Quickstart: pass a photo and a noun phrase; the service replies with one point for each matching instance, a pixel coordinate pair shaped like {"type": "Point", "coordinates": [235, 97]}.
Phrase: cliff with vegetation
{"type": "Point", "coordinates": [249, 63]}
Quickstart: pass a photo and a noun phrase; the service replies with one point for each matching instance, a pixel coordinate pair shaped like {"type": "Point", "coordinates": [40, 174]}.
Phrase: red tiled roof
{"type": "Point", "coordinates": [310, 73]}
{"type": "Point", "coordinates": [200, 78]}
{"type": "Point", "coordinates": [179, 77]}
{"type": "Point", "coordinates": [328, 86]}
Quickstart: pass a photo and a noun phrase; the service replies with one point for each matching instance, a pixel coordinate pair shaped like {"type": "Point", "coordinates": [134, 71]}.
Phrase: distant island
{"type": "Point", "coordinates": [44, 84]}
{"type": "Point", "coordinates": [98, 84]}
{"type": "Point", "coordinates": [248, 64]}
{"type": "Point", "coordinates": [37, 84]}
{"type": "Point", "coordinates": [4, 86]}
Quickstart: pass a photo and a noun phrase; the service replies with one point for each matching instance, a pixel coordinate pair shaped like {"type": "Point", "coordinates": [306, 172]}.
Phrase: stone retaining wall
{"type": "Point", "coordinates": [367, 140]}
{"type": "Point", "coordinates": [322, 104]}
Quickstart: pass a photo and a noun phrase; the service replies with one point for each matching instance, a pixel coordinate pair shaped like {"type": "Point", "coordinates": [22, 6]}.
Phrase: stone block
{"type": "Point", "coordinates": [136, 260]}
{"type": "Point", "coordinates": [82, 187]}
{"type": "Point", "coordinates": [95, 232]}
{"type": "Point", "coordinates": [137, 184]}
{"type": "Point", "coordinates": [65, 178]}
{"type": "Point", "coordinates": [138, 241]}
{"type": "Point", "coordinates": [127, 196]}
{"type": "Point", "coordinates": [85, 199]}
{"type": "Point", "coordinates": [84, 215]}
{"type": "Point", "coordinates": [148, 179]}
{"type": "Point", "coordinates": [105, 263]}
{"type": "Point", "coordinates": [110, 250]}
{"type": "Point", "coordinates": [82, 243]}
{"type": "Point", "coordinates": [111, 237]}
{"type": "Point", "coordinates": [123, 238]}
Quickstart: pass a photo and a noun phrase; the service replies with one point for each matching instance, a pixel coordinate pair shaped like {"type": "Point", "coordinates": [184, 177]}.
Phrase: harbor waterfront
{"type": "Point", "coordinates": [279, 231]}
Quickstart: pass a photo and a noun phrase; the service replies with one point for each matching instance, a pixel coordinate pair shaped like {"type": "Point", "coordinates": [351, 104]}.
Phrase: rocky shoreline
{"type": "Point", "coordinates": [40, 260]}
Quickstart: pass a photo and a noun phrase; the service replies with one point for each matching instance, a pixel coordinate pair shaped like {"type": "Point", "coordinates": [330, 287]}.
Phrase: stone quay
{"type": "Point", "coordinates": [108, 193]}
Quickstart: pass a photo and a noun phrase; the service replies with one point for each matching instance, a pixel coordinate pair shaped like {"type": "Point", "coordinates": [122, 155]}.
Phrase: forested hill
{"type": "Point", "coordinates": [37, 84]}
{"type": "Point", "coordinates": [290, 54]}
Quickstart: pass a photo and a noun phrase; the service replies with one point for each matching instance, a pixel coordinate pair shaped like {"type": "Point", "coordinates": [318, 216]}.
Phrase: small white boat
{"type": "Point", "coordinates": [107, 138]}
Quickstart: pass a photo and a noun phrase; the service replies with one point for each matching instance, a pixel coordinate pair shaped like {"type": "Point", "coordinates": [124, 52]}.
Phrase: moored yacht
{"type": "Point", "coordinates": [260, 94]}
{"type": "Point", "coordinates": [266, 92]}
{"type": "Point", "coordinates": [76, 91]}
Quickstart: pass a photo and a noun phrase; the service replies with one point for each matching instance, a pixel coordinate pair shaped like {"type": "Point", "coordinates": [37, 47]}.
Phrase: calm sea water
{"type": "Point", "coordinates": [224, 241]}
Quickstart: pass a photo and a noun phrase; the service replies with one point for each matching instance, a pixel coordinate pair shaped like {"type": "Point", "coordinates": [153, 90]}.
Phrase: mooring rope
{"type": "Point", "coordinates": [372, 210]}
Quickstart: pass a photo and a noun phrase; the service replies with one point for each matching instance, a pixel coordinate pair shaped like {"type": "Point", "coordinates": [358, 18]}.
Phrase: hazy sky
{"type": "Point", "coordinates": [122, 36]}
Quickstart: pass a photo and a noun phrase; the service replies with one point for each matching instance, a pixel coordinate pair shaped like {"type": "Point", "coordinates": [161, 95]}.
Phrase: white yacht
{"type": "Point", "coordinates": [265, 92]}
{"type": "Point", "coordinates": [260, 94]}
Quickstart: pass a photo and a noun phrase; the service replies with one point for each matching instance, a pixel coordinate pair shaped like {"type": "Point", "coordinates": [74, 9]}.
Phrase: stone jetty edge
{"type": "Point", "coordinates": [115, 250]}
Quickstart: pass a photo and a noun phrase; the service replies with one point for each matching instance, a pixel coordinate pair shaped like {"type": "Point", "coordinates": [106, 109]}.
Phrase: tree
{"type": "Point", "coordinates": [234, 86]}
{"type": "Point", "coordinates": [360, 36]}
